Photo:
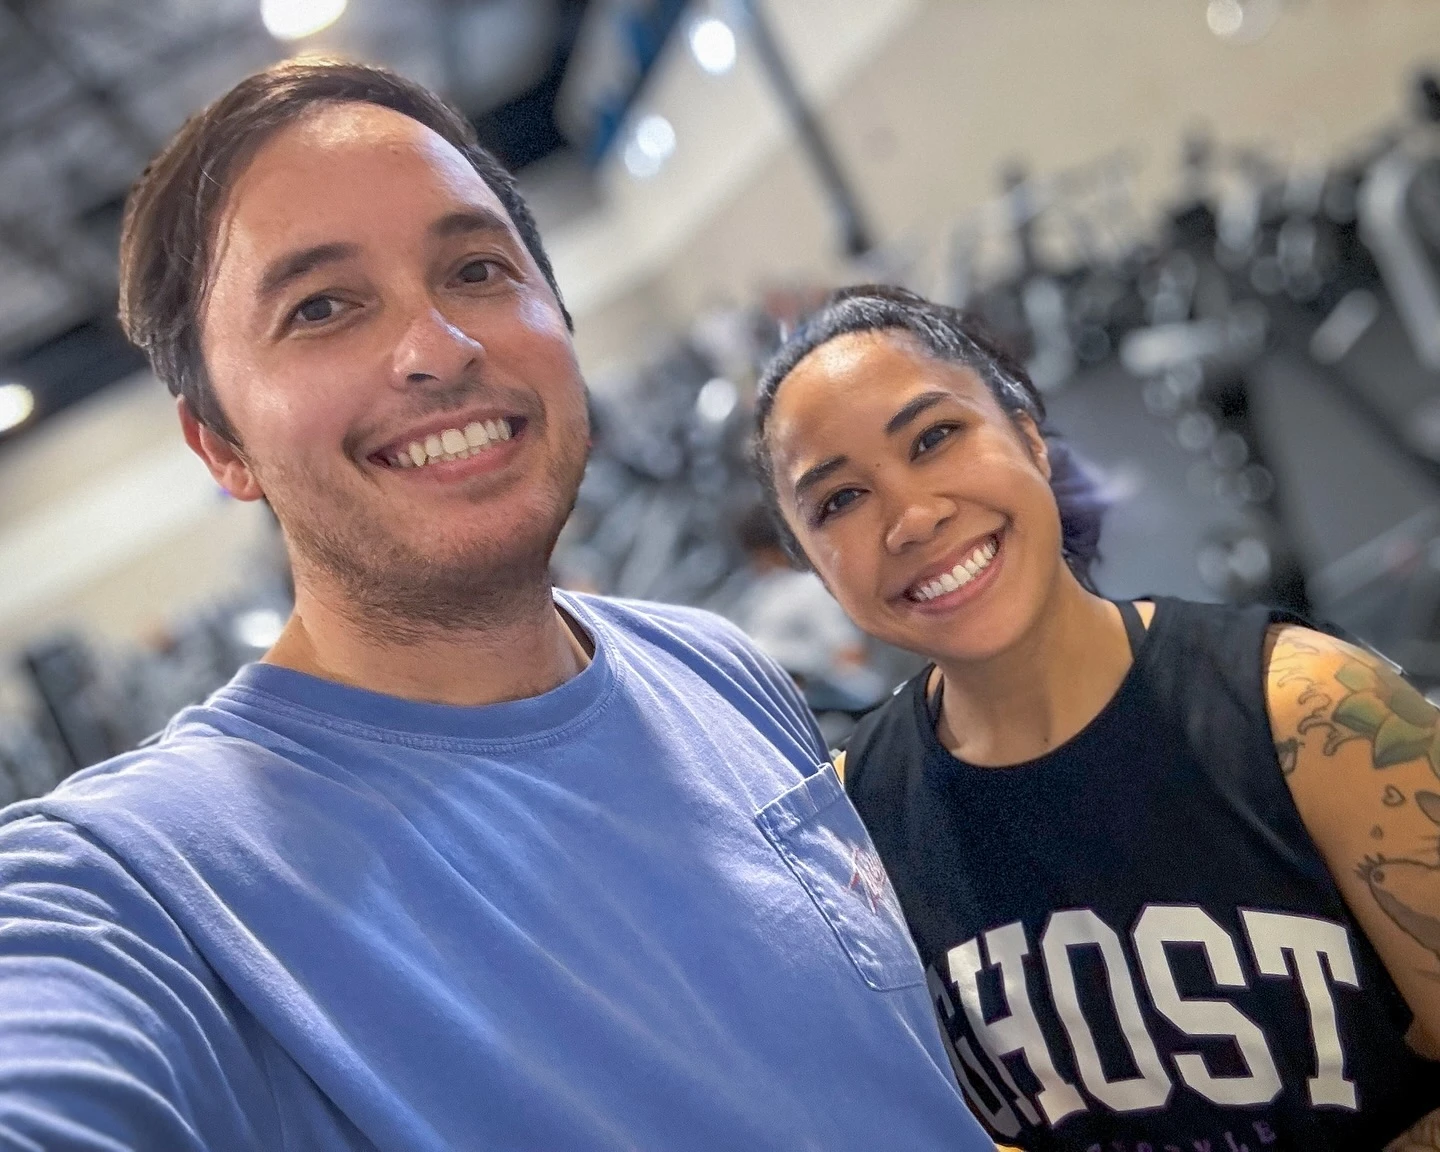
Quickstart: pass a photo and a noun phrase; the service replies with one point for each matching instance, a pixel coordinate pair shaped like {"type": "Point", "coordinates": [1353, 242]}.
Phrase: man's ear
{"type": "Point", "coordinates": [1034, 442]}
{"type": "Point", "coordinates": [223, 459]}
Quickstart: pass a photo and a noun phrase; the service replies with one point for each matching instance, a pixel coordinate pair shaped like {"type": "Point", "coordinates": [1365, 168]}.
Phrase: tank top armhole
{"type": "Point", "coordinates": [877, 727]}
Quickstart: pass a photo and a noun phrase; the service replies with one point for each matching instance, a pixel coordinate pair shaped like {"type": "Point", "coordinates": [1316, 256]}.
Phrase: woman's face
{"type": "Point", "coordinates": [918, 500]}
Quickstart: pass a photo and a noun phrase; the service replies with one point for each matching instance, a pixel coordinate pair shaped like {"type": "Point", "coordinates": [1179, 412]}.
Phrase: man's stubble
{"type": "Point", "coordinates": [398, 594]}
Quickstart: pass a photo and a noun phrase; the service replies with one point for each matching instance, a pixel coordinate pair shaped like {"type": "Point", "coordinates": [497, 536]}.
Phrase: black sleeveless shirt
{"type": "Point", "coordinates": [1132, 943]}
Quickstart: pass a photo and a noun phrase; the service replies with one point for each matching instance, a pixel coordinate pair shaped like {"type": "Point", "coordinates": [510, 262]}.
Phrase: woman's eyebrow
{"type": "Point", "coordinates": [812, 476]}
{"type": "Point", "coordinates": [914, 408]}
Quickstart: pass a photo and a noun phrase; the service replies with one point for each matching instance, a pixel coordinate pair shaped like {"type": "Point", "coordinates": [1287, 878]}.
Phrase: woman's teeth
{"type": "Point", "coordinates": [452, 444]}
{"type": "Point", "coordinates": [960, 575]}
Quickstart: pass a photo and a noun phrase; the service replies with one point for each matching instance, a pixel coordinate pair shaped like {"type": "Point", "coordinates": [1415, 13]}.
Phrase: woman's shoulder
{"type": "Point", "coordinates": [1229, 638]}
{"type": "Point", "coordinates": [892, 726]}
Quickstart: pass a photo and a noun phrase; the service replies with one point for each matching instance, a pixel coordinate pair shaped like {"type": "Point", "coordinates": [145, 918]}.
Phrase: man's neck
{"type": "Point", "coordinates": [527, 653]}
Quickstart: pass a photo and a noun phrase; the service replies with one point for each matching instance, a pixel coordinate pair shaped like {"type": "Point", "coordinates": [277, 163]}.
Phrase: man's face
{"type": "Point", "coordinates": [371, 303]}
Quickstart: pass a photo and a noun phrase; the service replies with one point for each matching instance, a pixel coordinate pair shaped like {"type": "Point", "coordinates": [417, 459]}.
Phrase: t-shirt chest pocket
{"type": "Point", "coordinates": [819, 834]}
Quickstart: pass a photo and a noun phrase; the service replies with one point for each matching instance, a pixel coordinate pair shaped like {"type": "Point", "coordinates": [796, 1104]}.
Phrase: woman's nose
{"type": "Point", "coordinates": [434, 350]}
{"type": "Point", "coordinates": [917, 522]}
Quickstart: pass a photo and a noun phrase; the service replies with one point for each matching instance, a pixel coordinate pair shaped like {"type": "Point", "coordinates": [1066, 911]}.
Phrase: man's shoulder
{"type": "Point", "coordinates": [657, 622]}
{"type": "Point", "coordinates": [187, 775]}
{"type": "Point", "coordinates": [711, 646]}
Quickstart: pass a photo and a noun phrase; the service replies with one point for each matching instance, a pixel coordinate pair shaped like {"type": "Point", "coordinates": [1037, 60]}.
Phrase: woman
{"type": "Point", "coordinates": [1172, 867]}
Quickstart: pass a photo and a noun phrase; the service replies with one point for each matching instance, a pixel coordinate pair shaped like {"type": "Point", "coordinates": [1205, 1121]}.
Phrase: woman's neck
{"type": "Point", "coordinates": [1042, 691]}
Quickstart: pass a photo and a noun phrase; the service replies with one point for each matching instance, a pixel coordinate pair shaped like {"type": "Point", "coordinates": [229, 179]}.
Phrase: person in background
{"type": "Point", "coordinates": [462, 862]}
{"type": "Point", "coordinates": [798, 624]}
{"type": "Point", "coordinates": [1172, 867]}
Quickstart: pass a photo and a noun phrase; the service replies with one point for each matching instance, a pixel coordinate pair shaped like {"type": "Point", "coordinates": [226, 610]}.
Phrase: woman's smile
{"type": "Point", "coordinates": [949, 585]}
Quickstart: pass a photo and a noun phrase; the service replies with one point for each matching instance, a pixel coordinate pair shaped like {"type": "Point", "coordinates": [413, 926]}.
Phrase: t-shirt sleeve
{"type": "Point", "coordinates": [113, 1031]}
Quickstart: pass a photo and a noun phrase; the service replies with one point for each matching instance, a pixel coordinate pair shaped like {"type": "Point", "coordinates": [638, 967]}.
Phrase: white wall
{"type": "Point", "coordinates": [951, 89]}
{"type": "Point", "coordinates": [110, 524]}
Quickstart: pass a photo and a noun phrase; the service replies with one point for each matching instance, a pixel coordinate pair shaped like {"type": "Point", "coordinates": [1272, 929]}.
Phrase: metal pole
{"type": "Point", "coordinates": [856, 235]}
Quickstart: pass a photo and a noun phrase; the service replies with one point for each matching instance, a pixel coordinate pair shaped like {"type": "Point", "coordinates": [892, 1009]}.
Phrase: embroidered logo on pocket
{"type": "Point", "coordinates": [819, 834]}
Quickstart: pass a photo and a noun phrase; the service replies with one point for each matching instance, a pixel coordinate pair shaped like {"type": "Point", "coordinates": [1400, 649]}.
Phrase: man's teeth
{"type": "Point", "coordinates": [452, 444]}
{"type": "Point", "coordinates": [960, 575]}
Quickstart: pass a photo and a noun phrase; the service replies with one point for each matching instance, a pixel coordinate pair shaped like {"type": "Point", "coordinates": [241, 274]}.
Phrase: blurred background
{"type": "Point", "coordinates": [1211, 228]}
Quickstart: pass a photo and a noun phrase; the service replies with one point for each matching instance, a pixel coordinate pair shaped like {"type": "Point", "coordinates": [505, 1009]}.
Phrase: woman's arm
{"type": "Point", "coordinates": [1360, 749]}
{"type": "Point", "coordinates": [1424, 1137]}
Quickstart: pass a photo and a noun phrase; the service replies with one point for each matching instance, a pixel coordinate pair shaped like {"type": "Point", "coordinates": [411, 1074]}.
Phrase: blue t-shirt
{"type": "Point", "coordinates": [636, 912]}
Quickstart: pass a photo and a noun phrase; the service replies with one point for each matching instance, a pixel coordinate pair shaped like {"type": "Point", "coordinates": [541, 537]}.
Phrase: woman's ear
{"type": "Point", "coordinates": [1034, 442]}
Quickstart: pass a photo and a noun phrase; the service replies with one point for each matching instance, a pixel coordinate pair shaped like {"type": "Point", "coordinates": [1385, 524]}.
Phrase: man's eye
{"type": "Point", "coordinates": [837, 502]}
{"type": "Point", "coordinates": [477, 272]}
{"type": "Point", "coordinates": [317, 310]}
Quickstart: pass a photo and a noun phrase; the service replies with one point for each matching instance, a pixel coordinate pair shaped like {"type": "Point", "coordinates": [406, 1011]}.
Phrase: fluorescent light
{"type": "Point", "coordinates": [16, 404]}
{"type": "Point", "coordinates": [296, 19]}
{"type": "Point", "coordinates": [713, 45]}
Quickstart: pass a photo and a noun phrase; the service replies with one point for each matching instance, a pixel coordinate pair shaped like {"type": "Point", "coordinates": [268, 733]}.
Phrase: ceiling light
{"type": "Point", "coordinates": [1242, 21]}
{"type": "Point", "coordinates": [259, 627]}
{"type": "Point", "coordinates": [1225, 17]}
{"type": "Point", "coordinates": [716, 400]}
{"type": "Point", "coordinates": [713, 45]}
{"type": "Point", "coordinates": [651, 144]}
{"type": "Point", "coordinates": [16, 404]}
{"type": "Point", "coordinates": [296, 19]}
{"type": "Point", "coordinates": [656, 136]}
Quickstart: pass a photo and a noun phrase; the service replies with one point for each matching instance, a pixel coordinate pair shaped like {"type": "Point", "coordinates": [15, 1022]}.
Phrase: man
{"type": "Point", "coordinates": [464, 862]}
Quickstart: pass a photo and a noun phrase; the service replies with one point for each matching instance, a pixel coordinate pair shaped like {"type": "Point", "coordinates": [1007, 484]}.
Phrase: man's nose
{"type": "Point", "coordinates": [917, 521]}
{"type": "Point", "coordinates": [434, 350]}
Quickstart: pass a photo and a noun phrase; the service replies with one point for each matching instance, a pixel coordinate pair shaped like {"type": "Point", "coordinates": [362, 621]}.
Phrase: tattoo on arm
{"type": "Point", "coordinates": [1381, 707]}
{"type": "Point", "coordinates": [1400, 725]}
{"type": "Point", "coordinates": [1363, 700]}
{"type": "Point", "coordinates": [1294, 664]}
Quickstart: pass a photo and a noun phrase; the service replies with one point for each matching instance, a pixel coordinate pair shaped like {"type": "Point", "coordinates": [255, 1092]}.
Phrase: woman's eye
{"type": "Point", "coordinates": [931, 437]}
{"type": "Point", "coordinates": [837, 502]}
{"type": "Point", "coordinates": [317, 310]}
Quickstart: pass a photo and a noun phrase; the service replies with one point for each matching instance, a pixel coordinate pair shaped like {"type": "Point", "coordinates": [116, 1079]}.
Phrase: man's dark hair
{"type": "Point", "coordinates": [172, 215]}
{"type": "Point", "coordinates": [951, 336]}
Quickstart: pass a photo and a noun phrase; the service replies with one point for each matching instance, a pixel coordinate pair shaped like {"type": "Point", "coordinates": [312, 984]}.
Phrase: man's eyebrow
{"type": "Point", "coordinates": [469, 220]}
{"type": "Point", "coordinates": [812, 476]}
{"type": "Point", "coordinates": [914, 408]}
{"type": "Point", "coordinates": [291, 266]}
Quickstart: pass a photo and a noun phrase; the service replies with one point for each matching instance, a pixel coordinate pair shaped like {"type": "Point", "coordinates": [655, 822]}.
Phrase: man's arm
{"type": "Point", "coordinates": [113, 1032]}
{"type": "Point", "coordinates": [1360, 749]}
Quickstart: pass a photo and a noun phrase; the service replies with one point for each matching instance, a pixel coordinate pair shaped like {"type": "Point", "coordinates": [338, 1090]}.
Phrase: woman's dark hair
{"type": "Point", "coordinates": [951, 336]}
{"type": "Point", "coordinates": [173, 212]}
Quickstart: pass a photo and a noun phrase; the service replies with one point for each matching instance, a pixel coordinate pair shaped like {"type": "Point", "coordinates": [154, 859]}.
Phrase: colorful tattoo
{"type": "Point", "coordinates": [1366, 701]}
{"type": "Point", "coordinates": [1401, 725]}
{"type": "Point", "coordinates": [1381, 707]}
